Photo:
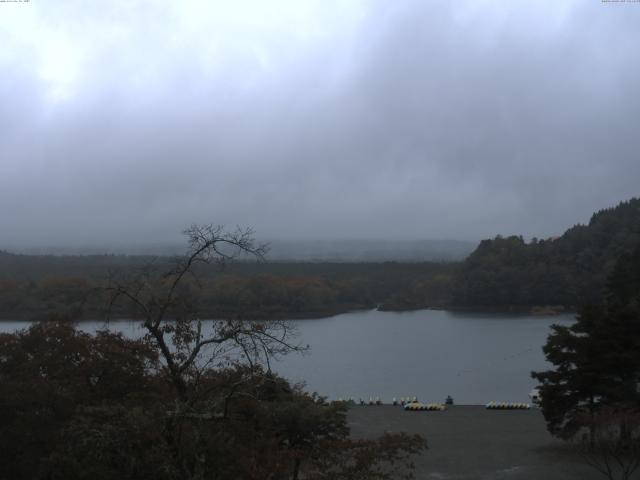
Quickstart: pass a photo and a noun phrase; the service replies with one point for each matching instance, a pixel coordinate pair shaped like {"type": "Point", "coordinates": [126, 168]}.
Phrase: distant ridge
{"type": "Point", "coordinates": [327, 250]}
{"type": "Point", "coordinates": [369, 250]}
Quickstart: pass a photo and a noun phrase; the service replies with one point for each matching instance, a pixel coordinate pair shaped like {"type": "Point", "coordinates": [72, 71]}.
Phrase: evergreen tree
{"type": "Point", "coordinates": [597, 359]}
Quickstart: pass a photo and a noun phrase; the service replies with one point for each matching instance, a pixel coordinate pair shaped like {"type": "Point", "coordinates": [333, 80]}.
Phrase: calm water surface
{"type": "Point", "coordinates": [474, 358]}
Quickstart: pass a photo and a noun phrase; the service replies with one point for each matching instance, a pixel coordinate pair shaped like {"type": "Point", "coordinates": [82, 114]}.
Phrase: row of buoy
{"type": "Point", "coordinates": [507, 406]}
{"type": "Point", "coordinates": [417, 406]}
{"type": "Point", "coordinates": [361, 401]}
{"type": "Point", "coordinates": [376, 401]}
{"type": "Point", "coordinates": [412, 403]}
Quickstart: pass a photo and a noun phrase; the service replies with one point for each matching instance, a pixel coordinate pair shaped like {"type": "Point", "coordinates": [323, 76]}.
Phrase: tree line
{"type": "Point", "coordinates": [33, 287]}
{"type": "Point", "coordinates": [503, 273]}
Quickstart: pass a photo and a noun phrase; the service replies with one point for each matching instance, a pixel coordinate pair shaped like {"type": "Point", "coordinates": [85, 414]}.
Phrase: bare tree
{"type": "Point", "coordinates": [167, 304]}
{"type": "Point", "coordinates": [613, 446]}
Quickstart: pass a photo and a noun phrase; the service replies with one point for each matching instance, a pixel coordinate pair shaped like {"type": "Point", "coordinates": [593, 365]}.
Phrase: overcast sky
{"type": "Point", "coordinates": [126, 121]}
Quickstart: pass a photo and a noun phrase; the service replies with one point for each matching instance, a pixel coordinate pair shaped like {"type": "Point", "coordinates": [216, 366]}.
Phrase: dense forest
{"type": "Point", "coordinates": [34, 286]}
{"type": "Point", "coordinates": [567, 271]}
{"type": "Point", "coordinates": [504, 273]}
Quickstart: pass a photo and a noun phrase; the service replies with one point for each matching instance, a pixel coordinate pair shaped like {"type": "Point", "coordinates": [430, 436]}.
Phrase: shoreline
{"type": "Point", "coordinates": [540, 311]}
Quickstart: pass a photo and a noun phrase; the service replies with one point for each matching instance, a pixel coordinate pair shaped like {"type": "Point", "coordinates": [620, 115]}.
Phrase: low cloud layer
{"type": "Point", "coordinates": [126, 121]}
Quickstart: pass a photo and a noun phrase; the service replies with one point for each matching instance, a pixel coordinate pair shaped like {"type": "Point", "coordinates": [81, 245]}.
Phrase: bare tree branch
{"type": "Point", "coordinates": [172, 321]}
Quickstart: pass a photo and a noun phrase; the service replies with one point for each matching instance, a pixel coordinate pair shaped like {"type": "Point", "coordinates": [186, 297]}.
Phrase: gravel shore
{"type": "Point", "coordinates": [470, 442]}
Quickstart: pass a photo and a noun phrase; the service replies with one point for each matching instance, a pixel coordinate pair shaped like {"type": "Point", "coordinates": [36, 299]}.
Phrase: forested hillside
{"type": "Point", "coordinates": [566, 271]}
{"type": "Point", "coordinates": [503, 273]}
{"type": "Point", "coordinates": [34, 286]}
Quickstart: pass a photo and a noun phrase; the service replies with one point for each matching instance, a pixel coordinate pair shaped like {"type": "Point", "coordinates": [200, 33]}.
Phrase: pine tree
{"type": "Point", "coordinates": [597, 359]}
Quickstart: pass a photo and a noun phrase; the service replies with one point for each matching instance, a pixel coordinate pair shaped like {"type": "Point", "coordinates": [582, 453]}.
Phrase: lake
{"type": "Point", "coordinates": [430, 354]}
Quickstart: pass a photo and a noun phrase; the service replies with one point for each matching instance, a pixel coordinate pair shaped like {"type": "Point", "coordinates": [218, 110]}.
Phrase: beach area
{"type": "Point", "coordinates": [469, 442]}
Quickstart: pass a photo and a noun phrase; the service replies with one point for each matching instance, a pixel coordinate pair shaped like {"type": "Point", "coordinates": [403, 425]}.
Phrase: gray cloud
{"type": "Point", "coordinates": [127, 121]}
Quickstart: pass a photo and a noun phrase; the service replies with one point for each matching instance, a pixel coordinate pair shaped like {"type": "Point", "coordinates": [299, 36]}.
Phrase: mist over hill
{"type": "Point", "coordinates": [287, 250]}
{"type": "Point", "coordinates": [370, 250]}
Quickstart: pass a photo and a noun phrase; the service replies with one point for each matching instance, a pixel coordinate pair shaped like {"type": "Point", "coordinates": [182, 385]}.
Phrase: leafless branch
{"type": "Point", "coordinates": [182, 340]}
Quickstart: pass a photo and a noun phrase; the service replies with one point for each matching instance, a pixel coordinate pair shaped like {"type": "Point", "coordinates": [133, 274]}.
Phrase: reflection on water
{"type": "Point", "coordinates": [474, 358]}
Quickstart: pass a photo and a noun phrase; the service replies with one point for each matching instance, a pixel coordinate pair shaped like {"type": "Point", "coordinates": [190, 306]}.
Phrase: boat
{"type": "Point", "coordinates": [534, 395]}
